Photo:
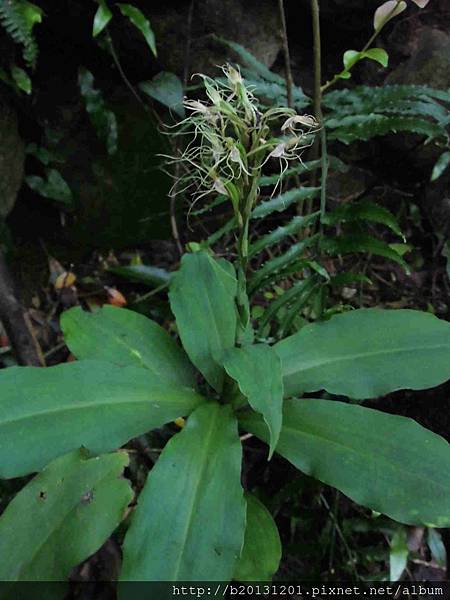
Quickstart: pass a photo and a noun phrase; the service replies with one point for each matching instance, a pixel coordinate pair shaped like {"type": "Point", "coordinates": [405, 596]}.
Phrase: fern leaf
{"type": "Point", "coordinates": [365, 127]}
{"type": "Point", "coordinates": [18, 18]}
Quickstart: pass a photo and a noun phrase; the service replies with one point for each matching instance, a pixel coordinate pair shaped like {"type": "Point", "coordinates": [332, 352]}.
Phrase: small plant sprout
{"type": "Point", "coordinates": [231, 142]}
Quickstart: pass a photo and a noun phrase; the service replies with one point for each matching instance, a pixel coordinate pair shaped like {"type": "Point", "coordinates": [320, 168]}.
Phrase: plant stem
{"type": "Point", "coordinates": [317, 99]}
{"type": "Point", "coordinates": [287, 57]}
{"type": "Point", "coordinates": [317, 60]}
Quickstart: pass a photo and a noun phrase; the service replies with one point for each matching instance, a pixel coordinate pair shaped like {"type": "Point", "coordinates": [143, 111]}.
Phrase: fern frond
{"type": "Point", "coordinates": [366, 99]}
{"type": "Point", "coordinates": [364, 112]}
{"type": "Point", "coordinates": [365, 127]}
{"type": "Point", "coordinates": [18, 18]}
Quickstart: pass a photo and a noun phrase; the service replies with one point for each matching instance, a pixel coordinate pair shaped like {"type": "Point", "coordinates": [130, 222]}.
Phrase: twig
{"type": "Point", "coordinates": [287, 57]}
{"type": "Point", "coordinates": [122, 73]}
{"type": "Point", "coordinates": [16, 322]}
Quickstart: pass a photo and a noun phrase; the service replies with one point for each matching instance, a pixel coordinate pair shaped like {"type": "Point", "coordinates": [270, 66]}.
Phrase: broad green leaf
{"type": "Point", "coordinates": [151, 276]}
{"type": "Point", "coordinates": [21, 79]}
{"type": "Point", "coordinates": [257, 370]}
{"type": "Point", "coordinates": [398, 554]}
{"type": "Point", "coordinates": [202, 297]}
{"type": "Point", "coordinates": [140, 22]}
{"type": "Point", "coordinates": [385, 462]}
{"type": "Point", "coordinates": [62, 516]}
{"type": "Point", "coordinates": [367, 353]}
{"type": "Point", "coordinates": [126, 338]}
{"type": "Point", "coordinates": [351, 57]}
{"type": "Point", "coordinates": [190, 520]}
{"type": "Point", "coordinates": [47, 412]}
{"type": "Point", "coordinates": [387, 11]}
{"type": "Point", "coordinates": [102, 17]}
{"type": "Point", "coordinates": [442, 163]}
{"type": "Point", "coordinates": [167, 89]}
{"type": "Point", "coordinates": [54, 187]}
{"type": "Point", "coordinates": [261, 553]}
{"type": "Point", "coordinates": [379, 55]}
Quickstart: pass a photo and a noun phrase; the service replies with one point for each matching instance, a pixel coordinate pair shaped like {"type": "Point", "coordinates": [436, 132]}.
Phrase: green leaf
{"type": "Point", "coordinates": [257, 370]}
{"type": "Point", "coordinates": [363, 211]}
{"type": "Point", "coordinates": [437, 547]}
{"type": "Point", "coordinates": [367, 353]}
{"type": "Point", "coordinates": [379, 55]}
{"type": "Point", "coordinates": [300, 169]}
{"type": "Point", "coordinates": [265, 273]}
{"type": "Point", "coordinates": [32, 13]}
{"type": "Point", "coordinates": [140, 22]}
{"type": "Point", "coordinates": [21, 79]}
{"type": "Point", "coordinates": [283, 201]}
{"type": "Point", "coordinates": [300, 289]}
{"type": "Point", "coordinates": [62, 516]}
{"type": "Point", "coordinates": [364, 127]}
{"type": "Point", "coordinates": [261, 553]}
{"type": "Point", "coordinates": [398, 554]}
{"type": "Point", "coordinates": [351, 57]}
{"type": "Point", "coordinates": [47, 412]}
{"type": "Point", "coordinates": [54, 187]}
{"type": "Point", "coordinates": [280, 233]}
{"type": "Point", "coordinates": [192, 505]}
{"type": "Point", "coordinates": [440, 166]}
{"type": "Point", "coordinates": [202, 297]}
{"type": "Point", "coordinates": [385, 462]}
{"type": "Point", "coordinates": [362, 243]}
{"type": "Point", "coordinates": [151, 276]}
{"type": "Point", "coordinates": [126, 338]}
{"type": "Point", "coordinates": [102, 17]}
{"type": "Point", "coordinates": [167, 89]}
{"type": "Point", "coordinates": [103, 119]}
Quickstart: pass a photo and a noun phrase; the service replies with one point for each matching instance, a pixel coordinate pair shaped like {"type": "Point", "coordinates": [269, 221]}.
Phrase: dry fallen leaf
{"type": "Point", "coordinates": [65, 280]}
{"type": "Point", "coordinates": [115, 297]}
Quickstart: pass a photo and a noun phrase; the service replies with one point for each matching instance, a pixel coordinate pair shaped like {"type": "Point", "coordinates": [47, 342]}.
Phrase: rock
{"type": "Point", "coordinates": [12, 157]}
{"type": "Point", "coordinates": [429, 62]}
{"type": "Point", "coordinates": [253, 24]}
